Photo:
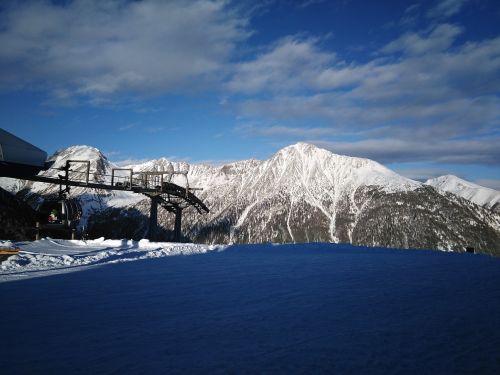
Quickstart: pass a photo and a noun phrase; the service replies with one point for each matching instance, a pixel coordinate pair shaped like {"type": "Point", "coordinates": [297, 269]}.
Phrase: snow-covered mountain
{"type": "Point", "coordinates": [301, 194]}
{"type": "Point", "coordinates": [473, 192]}
{"type": "Point", "coordinates": [304, 194]}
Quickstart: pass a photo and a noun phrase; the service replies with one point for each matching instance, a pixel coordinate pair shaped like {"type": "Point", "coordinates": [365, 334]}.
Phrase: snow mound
{"type": "Point", "coordinates": [6, 244]}
{"type": "Point", "coordinates": [53, 256]}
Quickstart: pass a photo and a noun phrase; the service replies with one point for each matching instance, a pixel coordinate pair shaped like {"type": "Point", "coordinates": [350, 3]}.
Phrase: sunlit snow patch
{"type": "Point", "coordinates": [52, 256]}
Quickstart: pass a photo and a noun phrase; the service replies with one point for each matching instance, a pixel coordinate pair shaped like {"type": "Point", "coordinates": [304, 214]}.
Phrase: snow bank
{"type": "Point", "coordinates": [6, 244]}
{"type": "Point", "coordinates": [53, 256]}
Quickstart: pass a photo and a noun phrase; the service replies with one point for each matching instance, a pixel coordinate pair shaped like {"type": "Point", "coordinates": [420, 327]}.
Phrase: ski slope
{"type": "Point", "coordinates": [53, 256]}
{"type": "Point", "coordinates": [285, 309]}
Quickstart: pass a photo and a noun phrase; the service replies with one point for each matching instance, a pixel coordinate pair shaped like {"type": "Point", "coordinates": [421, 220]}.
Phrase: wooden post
{"type": "Point", "coordinates": [73, 234]}
{"type": "Point", "coordinates": [37, 235]}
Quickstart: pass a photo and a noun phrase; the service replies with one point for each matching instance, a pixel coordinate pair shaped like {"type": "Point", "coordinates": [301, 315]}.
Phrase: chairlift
{"type": "Point", "coordinates": [60, 213]}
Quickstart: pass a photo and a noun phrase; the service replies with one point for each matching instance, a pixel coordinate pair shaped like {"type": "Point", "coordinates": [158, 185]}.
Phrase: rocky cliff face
{"type": "Point", "coordinates": [301, 194]}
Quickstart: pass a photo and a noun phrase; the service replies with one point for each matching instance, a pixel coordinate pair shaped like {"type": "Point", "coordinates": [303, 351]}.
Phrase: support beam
{"type": "Point", "coordinates": [178, 222]}
{"type": "Point", "coordinates": [167, 188]}
{"type": "Point", "coordinates": [37, 234]}
{"type": "Point", "coordinates": [153, 218]}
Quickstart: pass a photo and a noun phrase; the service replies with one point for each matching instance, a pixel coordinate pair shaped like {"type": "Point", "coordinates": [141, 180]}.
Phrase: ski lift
{"type": "Point", "coordinates": [60, 213]}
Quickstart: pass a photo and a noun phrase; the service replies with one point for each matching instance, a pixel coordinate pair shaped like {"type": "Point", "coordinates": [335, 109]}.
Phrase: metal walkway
{"type": "Point", "coordinates": [156, 185]}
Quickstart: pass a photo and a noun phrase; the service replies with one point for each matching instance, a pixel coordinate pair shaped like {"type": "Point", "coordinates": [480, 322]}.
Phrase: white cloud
{"type": "Point", "coordinates": [308, 3]}
{"type": "Point", "coordinates": [436, 93]}
{"type": "Point", "coordinates": [392, 150]}
{"type": "Point", "coordinates": [126, 127]}
{"type": "Point", "coordinates": [96, 49]}
{"type": "Point", "coordinates": [438, 40]}
{"type": "Point", "coordinates": [446, 8]}
{"type": "Point", "coordinates": [289, 65]}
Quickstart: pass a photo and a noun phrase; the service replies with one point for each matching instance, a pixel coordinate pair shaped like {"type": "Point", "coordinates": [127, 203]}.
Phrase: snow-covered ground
{"type": "Point", "coordinates": [311, 308]}
{"type": "Point", "coordinates": [52, 256]}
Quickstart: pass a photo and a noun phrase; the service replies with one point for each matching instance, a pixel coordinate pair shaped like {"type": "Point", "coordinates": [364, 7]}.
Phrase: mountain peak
{"type": "Point", "coordinates": [304, 151]}
{"type": "Point", "coordinates": [450, 179]}
{"type": "Point", "coordinates": [478, 194]}
{"type": "Point", "coordinates": [301, 147]}
{"type": "Point", "coordinates": [304, 148]}
{"type": "Point", "coordinates": [80, 152]}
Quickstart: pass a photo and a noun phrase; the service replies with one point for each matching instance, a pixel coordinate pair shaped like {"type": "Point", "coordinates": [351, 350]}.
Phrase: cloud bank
{"type": "Point", "coordinates": [97, 49]}
{"type": "Point", "coordinates": [427, 95]}
{"type": "Point", "coordinates": [422, 97]}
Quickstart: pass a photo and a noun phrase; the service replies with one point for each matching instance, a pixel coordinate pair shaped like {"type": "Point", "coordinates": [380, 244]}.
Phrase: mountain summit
{"type": "Point", "coordinates": [314, 166]}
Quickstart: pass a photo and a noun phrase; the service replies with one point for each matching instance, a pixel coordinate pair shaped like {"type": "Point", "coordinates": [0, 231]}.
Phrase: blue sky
{"type": "Point", "coordinates": [413, 85]}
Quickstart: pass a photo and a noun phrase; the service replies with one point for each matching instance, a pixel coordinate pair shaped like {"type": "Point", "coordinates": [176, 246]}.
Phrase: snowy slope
{"type": "Point", "coordinates": [260, 309]}
{"type": "Point", "coordinates": [475, 193]}
{"type": "Point", "coordinates": [50, 256]}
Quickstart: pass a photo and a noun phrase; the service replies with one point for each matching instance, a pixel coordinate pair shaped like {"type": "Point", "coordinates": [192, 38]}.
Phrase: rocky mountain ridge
{"type": "Point", "coordinates": [301, 194]}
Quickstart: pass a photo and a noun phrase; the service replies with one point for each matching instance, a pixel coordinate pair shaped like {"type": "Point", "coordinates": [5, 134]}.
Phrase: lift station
{"type": "Point", "coordinates": [20, 159]}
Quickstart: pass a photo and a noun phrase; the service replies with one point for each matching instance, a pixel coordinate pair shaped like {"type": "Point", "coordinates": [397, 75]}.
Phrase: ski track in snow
{"type": "Point", "coordinates": [54, 256]}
